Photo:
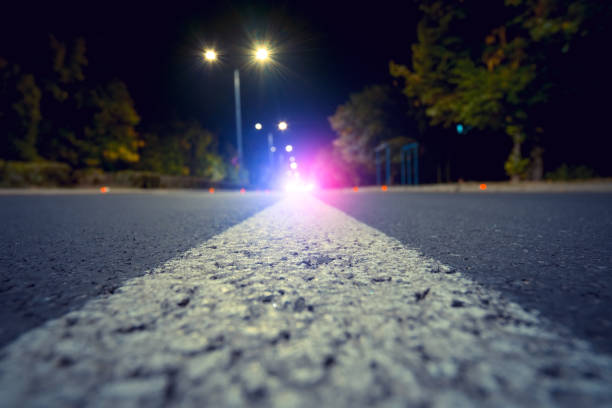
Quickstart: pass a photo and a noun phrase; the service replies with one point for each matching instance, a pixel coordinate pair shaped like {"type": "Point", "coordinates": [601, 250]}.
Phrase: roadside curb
{"type": "Point", "coordinates": [603, 186]}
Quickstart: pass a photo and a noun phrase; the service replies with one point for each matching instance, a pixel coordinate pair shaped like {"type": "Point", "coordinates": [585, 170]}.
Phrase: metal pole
{"type": "Point", "coordinates": [270, 152]}
{"type": "Point", "coordinates": [378, 183]}
{"type": "Point", "coordinates": [388, 157]}
{"type": "Point", "coordinates": [402, 155]}
{"type": "Point", "coordinates": [238, 116]}
{"type": "Point", "coordinates": [416, 165]}
{"type": "Point", "coordinates": [409, 165]}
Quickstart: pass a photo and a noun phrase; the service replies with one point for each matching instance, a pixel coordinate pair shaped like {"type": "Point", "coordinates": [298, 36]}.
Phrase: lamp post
{"type": "Point", "coordinates": [282, 126]}
{"type": "Point", "coordinates": [261, 54]}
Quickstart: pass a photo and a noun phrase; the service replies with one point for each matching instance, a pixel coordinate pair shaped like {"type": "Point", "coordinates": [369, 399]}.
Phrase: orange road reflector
{"type": "Point", "coordinates": [383, 187]}
{"type": "Point", "coordinates": [242, 190]}
{"type": "Point", "coordinates": [211, 190]}
{"type": "Point", "coordinates": [483, 186]}
{"type": "Point", "coordinates": [104, 189]}
{"type": "Point", "coordinates": [355, 189]}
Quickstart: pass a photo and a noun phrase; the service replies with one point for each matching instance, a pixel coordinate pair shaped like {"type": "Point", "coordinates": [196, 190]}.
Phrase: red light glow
{"type": "Point", "coordinates": [383, 187]}
{"type": "Point", "coordinates": [211, 190]}
{"type": "Point", "coordinates": [355, 189]}
{"type": "Point", "coordinates": [104, 189]}
{"type": "Point", "coordinates": [242, 190]}
{"type": "Point", "coordinates": [483, 186]}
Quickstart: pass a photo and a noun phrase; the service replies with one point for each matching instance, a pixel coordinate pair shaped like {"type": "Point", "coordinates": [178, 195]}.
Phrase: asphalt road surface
{"type": "Point", "coordinates": [196, 300]}
{"type": "Point", "coordinates": [57, 251]}
{"type": "Point", "coordinates": [551, 253]}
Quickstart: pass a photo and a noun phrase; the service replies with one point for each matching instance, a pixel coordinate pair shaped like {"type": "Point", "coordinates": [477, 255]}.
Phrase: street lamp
{"type": "Point", "coordinates": [282, 126]}
{"type": "Point", "coordinates": [261, 54]}
{"type": "Point", "coordinates": [210, 55]}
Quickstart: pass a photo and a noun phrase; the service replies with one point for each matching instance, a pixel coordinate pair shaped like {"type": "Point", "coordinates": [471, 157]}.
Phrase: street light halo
{"type": "Point", "coordinates": [282, 125]}
{"type": "Point", "coordinates": [258, 126]}
{"type": "Point", "coordinates": [262, 54]}
{"type": "Point", "coordinates": [210, 54]}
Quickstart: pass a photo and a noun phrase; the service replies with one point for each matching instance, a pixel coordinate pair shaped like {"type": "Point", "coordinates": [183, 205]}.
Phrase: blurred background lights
{"type": "Point", "coordinates": [293, 165]}
{"type": "Point", "coordinates": [282, 125]}
{"type": "Point", "coordinates": [210, 55]}
{"type": "Point", "coordinates": [292, 159]}
{"type": "Point", "coordinates": [296, 186]}
{"type": "Point", "coordinates": [288, 148]}
{"type": "Point", "coordinates": [258, 126]}
{"type": "Point", "coordinates": [273, 149]}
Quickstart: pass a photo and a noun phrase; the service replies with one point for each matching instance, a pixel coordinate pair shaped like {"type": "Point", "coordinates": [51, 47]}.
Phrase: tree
{"type": "Point", "coordinates": [182, 148]}
{"type": "Point", "coordinates": [65, 106]}
{"type": "Point", "coordinates": [111, 140]}
{"type": "Point", "coordinates": [490, 79]}
{"type": "Point", "coordinates": [370, 117]}
{"type": "Point", "coordinates": [19, 113]}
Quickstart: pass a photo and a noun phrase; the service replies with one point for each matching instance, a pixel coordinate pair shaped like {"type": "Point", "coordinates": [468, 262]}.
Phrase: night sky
{"type": "Point", "coordinates": [322, 53]}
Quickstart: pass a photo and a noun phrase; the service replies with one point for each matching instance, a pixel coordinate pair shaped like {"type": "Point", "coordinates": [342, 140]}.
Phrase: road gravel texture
{"type": "Point", "coordinates": [58, 250]}
{"type": "Point", "coordinates": [302, 305]}
{"type": "Point", "coordinates": [551, 253]}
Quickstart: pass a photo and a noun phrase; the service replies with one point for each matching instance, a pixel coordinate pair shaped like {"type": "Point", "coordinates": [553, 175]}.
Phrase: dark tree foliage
{"type": "Point", "coordinates": [493, 73]}
{"type": "Point", "coordinates": [93, 126]}
{"type": "Point", "coordinates": [375, 115]}
{"type": "Point", "coordinates": [19, 113]}
{"type": "Point", "coordinates": [182, 148]}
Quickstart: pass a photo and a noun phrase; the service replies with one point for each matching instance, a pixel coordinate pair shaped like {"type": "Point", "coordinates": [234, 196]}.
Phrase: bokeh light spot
{"type": "Point", "coordinates": [383, 187]}
{"type": "Point", "coordinates": [210, 55]}
{"type": "Point", "coordinates": [242, 190]}
{"type": "Point", "coordinates": [104, 189]}
{"type": "Point", "coordinates": [211, 190]}
{"type": "Point", "coordinates": [355, 189]}
{"type": "Point", "coordinates": [262, 54]}
{"type": "Point", "coordinates": [483, 186]}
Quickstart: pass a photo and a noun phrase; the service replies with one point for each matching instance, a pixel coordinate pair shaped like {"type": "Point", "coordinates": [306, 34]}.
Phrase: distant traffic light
{"type": "Point", "coordinates": [459, 128]}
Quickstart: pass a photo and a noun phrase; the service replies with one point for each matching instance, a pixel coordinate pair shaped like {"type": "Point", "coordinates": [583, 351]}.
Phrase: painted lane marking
{"type": "Point", "coordinates": [301, 305]}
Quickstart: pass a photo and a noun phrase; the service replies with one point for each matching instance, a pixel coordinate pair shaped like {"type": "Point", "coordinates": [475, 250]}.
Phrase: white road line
{"type": "Point", "coordinates": [301, 305]}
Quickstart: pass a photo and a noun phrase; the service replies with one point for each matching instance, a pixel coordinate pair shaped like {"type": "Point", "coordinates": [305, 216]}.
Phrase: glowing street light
{"type": "Point", "coordinates": [288, 148]}
{"type": "Point", "coordinates": [273, 149]}
{"type": "Point", "coordinates": [210, 55]}
{"type": "Point", "coordinates": [262, 54]}
{"type": "Point", "coordinates": [293, 165]}
{"type": "Point", "coordinates": [282, 125]}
